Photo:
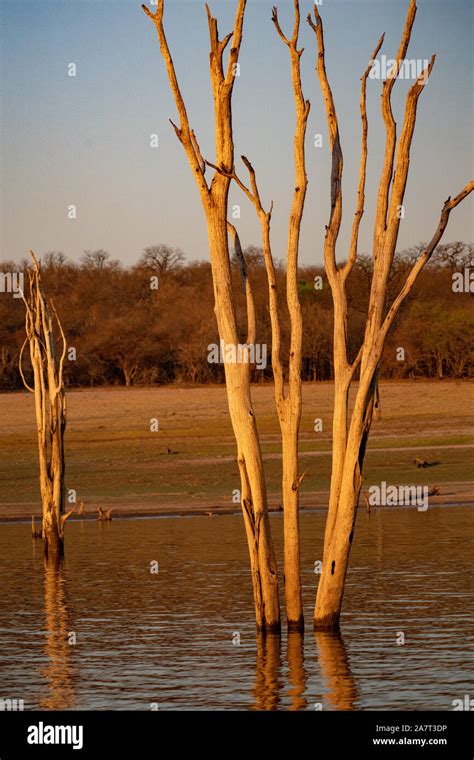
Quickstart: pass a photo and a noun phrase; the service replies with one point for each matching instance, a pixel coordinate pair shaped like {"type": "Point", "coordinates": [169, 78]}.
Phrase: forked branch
{"type": "Point", "coordinates": [184, 133]}
{"type": "Point", "coordinates": [423, 259]}
{"type": "Point", "coordinates": [332, 230]}
{"type": "Point", "coordinates": [402, 165]}
{"type": "Point", "coordinates": [391, 133]}
{"type": "Point", "coordinates": [253, 195]}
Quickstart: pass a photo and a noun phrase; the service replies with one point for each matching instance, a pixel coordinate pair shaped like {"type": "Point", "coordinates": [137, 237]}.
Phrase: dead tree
{"type": "Point", "coordinates": [288, 399]}
{"type": "Point", "coordinates": [350, 433]}
{"type": "Point", "coordinates": [214, 198]}
{"type": "Point", "coordinates": [50, 407]}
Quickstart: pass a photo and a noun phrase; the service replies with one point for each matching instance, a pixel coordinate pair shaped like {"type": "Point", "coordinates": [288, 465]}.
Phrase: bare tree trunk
{"type": "Point", "coordinates": [288, 401]}
{"type": "Point", "coordinates": [342, 516]}
{"type": "Point", "coordinates": [350, 434]}
{"type": "Point", "coordinates": [214, 199]}
{"type": "Point", "coordinates": [50, 409]}
{"type": "Point", "coordinates": [291, 549]}
{"type": "Point", "coordinates": [289, 406]}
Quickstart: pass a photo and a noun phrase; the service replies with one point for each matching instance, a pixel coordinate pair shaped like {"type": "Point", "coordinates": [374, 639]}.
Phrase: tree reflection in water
{"type": "Point", "coordinates": [296, 671]}
{"type": "Point", "coordinates": [58, 671]}
{"type": "Point", "coordinates": [267, 672]}
{"type": "Point", "coordinates": [333, 663]}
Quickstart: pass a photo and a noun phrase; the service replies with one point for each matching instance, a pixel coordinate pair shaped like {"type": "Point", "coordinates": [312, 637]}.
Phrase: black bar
{"type": "Point", "coordinates": [158, 734]}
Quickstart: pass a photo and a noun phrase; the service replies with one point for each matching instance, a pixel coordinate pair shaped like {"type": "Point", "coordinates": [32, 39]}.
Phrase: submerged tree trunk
{"type": "Point", "coordinates": [214, 199]}
{"type": "Point", "coordinates": [344, 500]}
{"type": "Point", "coordinates": [253, 488]}
{"type": "Point", "coordinates": [350, 433]}
{"type": "Point", "coordinates": [50, 409]}
{"type": "Point", "coordinates": [288, 400]}
{"type": "Point", "coordinates": [289, 405]}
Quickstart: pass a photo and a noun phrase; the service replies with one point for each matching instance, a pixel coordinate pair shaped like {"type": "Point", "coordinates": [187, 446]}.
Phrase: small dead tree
{"type": "Point", "coordinates": [214, 198]}
{"type": "Point", "coordinates": [50, 407]}
{"type": "Point", "coordinates": [350, 433]}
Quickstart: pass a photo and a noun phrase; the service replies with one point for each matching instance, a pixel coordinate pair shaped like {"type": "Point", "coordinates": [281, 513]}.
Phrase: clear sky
{"type": "Point", "coordinates": [85, 140]}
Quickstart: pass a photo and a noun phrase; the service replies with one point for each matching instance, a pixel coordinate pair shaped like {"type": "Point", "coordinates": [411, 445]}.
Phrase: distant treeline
{"type": "Point", "coordinates": [152, 323]}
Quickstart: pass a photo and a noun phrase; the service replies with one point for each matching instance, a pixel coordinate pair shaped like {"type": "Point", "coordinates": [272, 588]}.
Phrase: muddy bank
{"type": "Point", "coordinates": [449, 494]}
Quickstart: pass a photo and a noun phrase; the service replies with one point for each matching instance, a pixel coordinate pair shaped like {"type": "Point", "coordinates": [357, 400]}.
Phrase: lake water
{"type": "Point", "coordinates": [166, 639]}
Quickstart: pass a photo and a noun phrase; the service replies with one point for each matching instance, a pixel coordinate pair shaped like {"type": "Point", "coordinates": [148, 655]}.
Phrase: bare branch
{"type": "Point", "coordinates": [363, 165]}
{"type": "Point", "coordinates": [253, 183]}
{"type": "Point", "coordinates": [402, 164]}
{"type": "Point", "coordinates": [352, 368]}
{"type": "Point", "coordinates": [184, 131]}
{"type": "Point", "coordinates": [277, 25]}
{"type": "Point", "coordinates": [36, 264]}
{"type": "Point", "coordinates": [391, 132]}
{"type": "Point", "coordinates": [67, 516]}
{"type": "Point", "coordinates": [296, 27]}
{"type": "Point", "coordinates": [63, 353]}
{"type": "Point", "coordinates": [238, 254]}
{"type": "Point", "coordinates": [234, 176]}
{"type": "Point", "coordinates": [197, 152]}
{"type": "Point", "coordinates": [298, 482]}
{"type": "Point", "coordinates": [179, 133]}
{"type": "Point", "coordinates": [236, 43]}
{"type": "Point", "coordinates": [332, 229]}
{"type": "Point", "coordinates": [449, 205]}
{"type": "Point", "coordinates": [148, 12]}
{"type": "Point", "coordinates": [28, 387]}
{"type": "Point", "coordinates": [387, 220]}
{"type": "Point", "coordinates": [213, 33]}
{"type": "Point", "coordinates": [217, 46]}
{"type": "Point", "coordinates": [251, 319]}
{"type": "Point", "coordinates": [223, 43]}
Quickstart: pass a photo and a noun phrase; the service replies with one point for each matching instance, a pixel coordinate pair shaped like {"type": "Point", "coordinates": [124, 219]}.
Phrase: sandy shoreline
{"type": "Point", "coordinates": [189, 467]}
{"type": "Point", "coordinates": [450, 494]}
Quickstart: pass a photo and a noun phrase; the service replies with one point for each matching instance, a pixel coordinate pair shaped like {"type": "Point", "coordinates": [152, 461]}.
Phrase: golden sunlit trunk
{"type": "Point", "coordinates": [50, 409]}
{"type": "Point", "coordinates": [214, 200]}
{"type": "Point", "coordinates": [350, 433]}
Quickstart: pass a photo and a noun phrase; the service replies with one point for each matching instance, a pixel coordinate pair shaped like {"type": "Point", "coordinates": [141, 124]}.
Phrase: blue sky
{"type": "Point", "coordinates": [85, 140]}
